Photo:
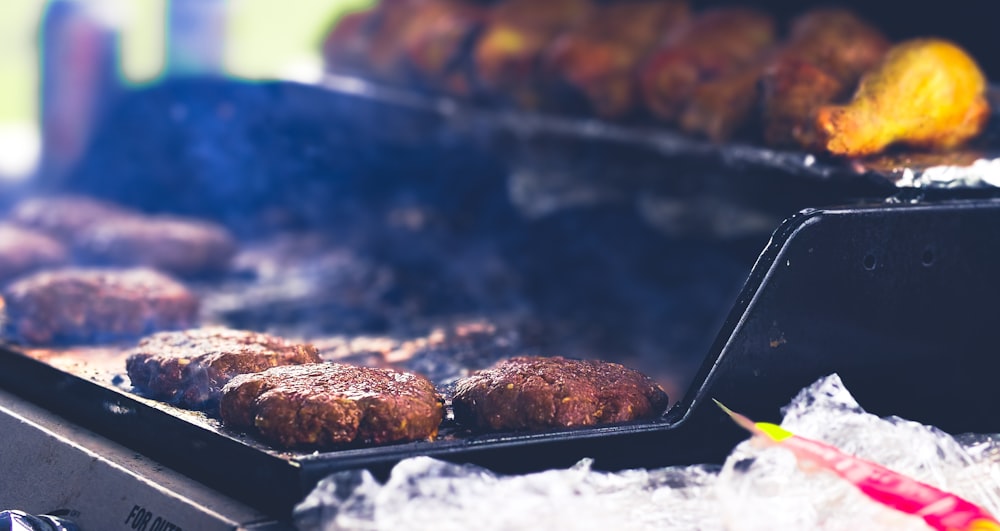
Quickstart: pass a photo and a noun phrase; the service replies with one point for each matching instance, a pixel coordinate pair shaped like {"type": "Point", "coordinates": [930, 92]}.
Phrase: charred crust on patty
{"type": "Point", "coordinates": [535, 393]}
{"type": "Point", "coordinates": [95, 305]}
{"type": "Point", "coordinates": [189, 368]}
{"type": "Point", "coordinates": [332, 405]}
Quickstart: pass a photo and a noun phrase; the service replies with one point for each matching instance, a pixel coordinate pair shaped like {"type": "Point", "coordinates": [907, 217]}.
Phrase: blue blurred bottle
{"type": "Point", "coordinates": [80, 75]}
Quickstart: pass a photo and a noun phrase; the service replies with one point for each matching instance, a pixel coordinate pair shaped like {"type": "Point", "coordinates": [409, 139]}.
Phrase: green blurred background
{"type": "Point", "coordinates": [261, 39]}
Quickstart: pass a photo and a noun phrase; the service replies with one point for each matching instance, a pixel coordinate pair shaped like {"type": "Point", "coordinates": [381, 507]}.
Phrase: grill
{"type": "Point", "coordinates": [699, 264]}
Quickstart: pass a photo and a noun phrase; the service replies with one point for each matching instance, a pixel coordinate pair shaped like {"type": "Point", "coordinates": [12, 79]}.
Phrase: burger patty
{"type": "Point", "coordinates": [181, 246]}
{"type": "Point", "coordinates": [330, 404]}
{"type": "Point", "coordinates": [533, 393]}
{"type": "Point", "coordinates": [25, 250]}
{"type": "Point", "coordinates": [190, 367]}
{"type": "Point", "coordinates": [64, 217]}
{"type": "Point", "coordinates": [95, 305]}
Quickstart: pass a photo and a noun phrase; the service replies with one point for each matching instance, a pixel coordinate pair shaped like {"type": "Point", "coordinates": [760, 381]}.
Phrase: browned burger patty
{"type": "Point", "coordinates": [65, 216]}
{"type": "Point", "coordinates": [329, 404]}
{"type": "Point", "coordinates": [533, 393]}
{"type": "Point", "coordinates": [190, 367]}
{"type": "Point", "coordinates": [25, 250]}
{"type": "Point", "coordinates": [185, 247]}
{"type": "Point", "coordinates": [92, 305]}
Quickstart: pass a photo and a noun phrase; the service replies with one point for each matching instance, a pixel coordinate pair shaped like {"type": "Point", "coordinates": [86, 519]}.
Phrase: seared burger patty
{"type": "Point", "coordinates": [25, 250]}
{"type": "Point", "coordinates": [184, 247]}
{"type": "Point", "coordinates": [329, 404]}
{"type": "Point", "coordinates": [93, 305]}
{"type": "Point", "coordinates": [532, 393]}
{"type": "Point", "coordinates": [190, 367]}
{"type": "Point", "coordinates": [65, 216]}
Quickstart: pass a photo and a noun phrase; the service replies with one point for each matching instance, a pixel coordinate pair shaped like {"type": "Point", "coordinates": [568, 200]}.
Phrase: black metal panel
{"type": "Point", "coordinates": [900, 300]}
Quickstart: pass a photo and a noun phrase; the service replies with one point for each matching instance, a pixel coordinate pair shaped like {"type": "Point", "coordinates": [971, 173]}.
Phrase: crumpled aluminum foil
{"type": "Point", "coordinates": [758, 487]}
{"type": "Point", "coordinates": [13, 520]}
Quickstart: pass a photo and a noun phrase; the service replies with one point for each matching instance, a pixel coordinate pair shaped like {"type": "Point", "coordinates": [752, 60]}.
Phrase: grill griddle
{"type": "Point", "coordinates": [970, 167]}
{"type": "Point", "coordinates": [899, 299]}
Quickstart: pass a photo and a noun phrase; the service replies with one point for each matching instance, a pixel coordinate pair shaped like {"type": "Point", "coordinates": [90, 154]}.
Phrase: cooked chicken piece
{"type": "Point", "coordinates": [714, 44]}
{"type": "Point", "coordinates": [599, 59]}
{"type": "Point", "coordinates": [368, 42]}
{"type": "Point", "coordinates": [551, 14]}
{"type": "Point", "coordinates": [926, 93]}
{"type": "Point", "coordinates": [436, 39]}
{"type": "Point", "coordinates": [827, 52]}
{"type": "Point", "coordinates": [638, 22]}
{"type": "Point", "coordinates": [720, 107]}
{"type": "Point", "coordinates": [507, 56]}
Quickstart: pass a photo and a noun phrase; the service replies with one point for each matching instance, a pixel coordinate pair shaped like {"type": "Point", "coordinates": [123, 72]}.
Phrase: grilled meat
{"type": "Point", "coordinates": [189, 368]}
{"type": "Point", "coordinates": [25, 250]}
{"type": "Point", "coordinates": [533, 393]}
{"type": "Point", "coordinates": [181, 246]}
{"type": "Point", "coordinates": [714, 44]}
{"type": "Point", "coordinates": [598, 60]}
{"type": "Point", "coordinates": [331, 404]}
{"type": "Point", "coordinates": [507, 57]}
{"type": "Point", "coordinates": [927, 93]}
{"type": "Point", "coordinates": [435, 41]}
{"type": "Point", "coordinates": [368, 42]}
{"type": "Point", "coordinates": [827, 52]}
{"type": "Point", "coordinates": [720, 107]}
{"type": "Point", "coordinates": [93, 305]}
{"type": "Point", "coordinates": [65, 217]}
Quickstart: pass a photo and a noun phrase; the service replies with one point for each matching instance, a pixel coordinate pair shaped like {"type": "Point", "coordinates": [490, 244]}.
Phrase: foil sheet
{"type": "Point", "coordinates": [757, 488]}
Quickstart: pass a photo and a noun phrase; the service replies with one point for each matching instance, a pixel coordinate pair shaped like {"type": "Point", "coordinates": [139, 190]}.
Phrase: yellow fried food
{"type": "Point", "coordinates": [827, 52]}
{"type": "Point", "coordinates": [926, 93]}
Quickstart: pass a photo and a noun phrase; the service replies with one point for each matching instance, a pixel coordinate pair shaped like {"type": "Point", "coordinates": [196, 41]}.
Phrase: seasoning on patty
{"type": "Point", "coordinates": [95, 305]}
{"type": "Point", "coordinates": [332, 404]}
{"type": "Point", "coordinates": [189, 368]}
{"type": "Point", "coordinates": [534, 393]}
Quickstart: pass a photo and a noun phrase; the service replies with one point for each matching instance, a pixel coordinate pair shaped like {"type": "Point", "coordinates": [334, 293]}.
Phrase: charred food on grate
{"type": "Point", "coordinates": [332, 404]}
{"type": "Point", "coordinates": [533, 393]}
{"type": "Point", "coordinates": [715, 73]}
{"type": "Point", "coordinates": [189, 368]}
{"type": "Point", "coordinates": [96, 305]}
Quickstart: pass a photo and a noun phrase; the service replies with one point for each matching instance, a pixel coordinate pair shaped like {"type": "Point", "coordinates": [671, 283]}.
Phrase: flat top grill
{"type": "Point", "coordinates": [880, 314]}
{"type": "Point", "coordinates": [871, 325]}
